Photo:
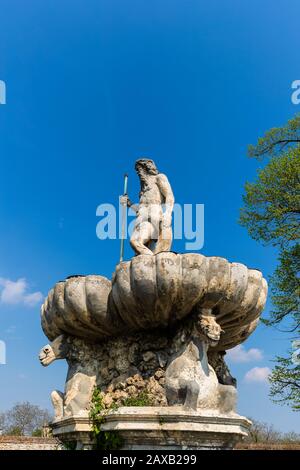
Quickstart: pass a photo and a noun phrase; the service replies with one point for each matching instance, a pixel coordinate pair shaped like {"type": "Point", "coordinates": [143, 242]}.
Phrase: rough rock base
{"type": "Point", "coordinates": [159, 428]}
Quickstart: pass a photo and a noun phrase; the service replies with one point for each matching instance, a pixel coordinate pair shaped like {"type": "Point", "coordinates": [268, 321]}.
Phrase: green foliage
{"type": "Point", "coordinates": [161, 420]}
{"type": "Point", "coordinates": [37, 433]}
{"type": "Point", "coordinates": [266, 433]}
{"type": "Point", "coordinates": [271, 210]}
{"type": "Point", "coordinates": [285, 383]}
{"type": "Point", "coordinates": [277, 140]}
{"type": "Point", "coordinates": [285, 288]}
{"type": "Point", "coordinates": [25, 417]}
{"type": "Point", "coordinates": [271, 213]}
{"type": "Point", "coordinates": [97, 411]}
{"type": "Point", "coordinates": [105, 440]}
{"type": "Point", "coordinates": [15, 431]}
{"type": "Point", "coordinates": [142, 399]}
{"type": "Point", "coordinates": [108, 440]}
{"type": "Point", "coordinates": [111, 440]}
{"type": "Point", "coordinates": [70, 445]}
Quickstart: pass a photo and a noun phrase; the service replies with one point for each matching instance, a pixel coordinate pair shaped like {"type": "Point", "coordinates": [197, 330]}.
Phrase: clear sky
{"type": "Point", "coordinates": [93, 85]}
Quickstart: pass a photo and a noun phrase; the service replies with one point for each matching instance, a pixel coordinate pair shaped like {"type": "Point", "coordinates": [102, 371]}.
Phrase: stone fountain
{"type": "Point", "coordinates": [159, 329]}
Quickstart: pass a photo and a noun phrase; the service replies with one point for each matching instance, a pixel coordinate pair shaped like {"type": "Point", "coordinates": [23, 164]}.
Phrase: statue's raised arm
{"type": "Point", "coordinates": [153, 232]}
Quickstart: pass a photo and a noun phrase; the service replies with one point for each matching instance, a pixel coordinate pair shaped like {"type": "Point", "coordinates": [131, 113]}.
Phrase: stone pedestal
{"type": "Point", "coordinates": [159, 428]}
{"type": "Point", "coordinates": [75, 429]}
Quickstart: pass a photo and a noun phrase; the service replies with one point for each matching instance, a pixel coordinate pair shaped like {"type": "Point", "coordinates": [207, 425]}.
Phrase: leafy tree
{"type": "Point", "coordinates": [285, 287]}
{"type": "Point", "coordinates": [272, 203]}
{"type": "Point", "coordinates": [2, 423]}
{"type": "Point", "coordinates": [290, 437]}
{"type": "Point", "coordinates": [26, 418]}
{"type": "Point", "coordinates": [266, 433]}
{"type": "Point", "coordinates": [263, 432]}
{"type": "Point", "coordinates": [285, 382]}
{"type": "Point", "coordinates": [277, 140]}
{"type": "Point", "coordinates": [271, 213]}
{"type": "Point", "coordinates": [15, 431]}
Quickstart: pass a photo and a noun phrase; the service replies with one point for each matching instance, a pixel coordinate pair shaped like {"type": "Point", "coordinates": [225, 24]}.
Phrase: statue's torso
{"type": "Point", "coordinates": [150, 192]}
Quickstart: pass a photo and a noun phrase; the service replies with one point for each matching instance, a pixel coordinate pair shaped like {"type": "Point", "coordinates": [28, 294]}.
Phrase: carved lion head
{"type": "Point", "coordinates": [208, 326]}
{"type": "Point", "coordinates": [46, 355]}
{"type": "Point", "coordinates": [56, 350]}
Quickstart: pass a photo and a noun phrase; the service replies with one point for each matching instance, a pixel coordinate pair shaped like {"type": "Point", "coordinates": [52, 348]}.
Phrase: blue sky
{"type": "Point", "coordinates": [92, 86]}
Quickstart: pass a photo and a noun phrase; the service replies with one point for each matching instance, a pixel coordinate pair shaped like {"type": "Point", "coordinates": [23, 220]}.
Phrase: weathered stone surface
{"type": "Point", "coordinates": [156, 334]}
{"type": "Point", "coordinates": [166, 428]}
{"type": "Point", "coordinates": [176, 428]}
{"type": "Point", "coordinates": [78, 307]}
{"type": "Point", "coordinates": [168, 368]}
{"type": "Point", "coordinates": [29, 443]}
{"type": "Point", "coordinates": [153, 231]}
{"type": "Point", "coordinates": [156, 292]}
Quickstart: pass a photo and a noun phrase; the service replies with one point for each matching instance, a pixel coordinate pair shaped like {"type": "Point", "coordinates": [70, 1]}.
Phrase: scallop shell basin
{"type": "Point", "coordinates": [157, 291]}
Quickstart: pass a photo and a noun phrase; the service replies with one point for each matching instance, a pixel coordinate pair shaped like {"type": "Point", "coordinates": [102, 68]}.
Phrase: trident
{"type": "Point", "coordinates": [123, 218]}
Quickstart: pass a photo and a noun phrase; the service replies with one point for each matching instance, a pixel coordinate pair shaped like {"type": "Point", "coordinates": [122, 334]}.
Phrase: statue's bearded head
{"type": "Point", "coordinates": [145, 166]}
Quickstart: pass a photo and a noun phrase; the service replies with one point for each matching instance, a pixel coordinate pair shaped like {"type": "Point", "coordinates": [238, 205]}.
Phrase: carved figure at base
{"type": "Point", "coordinates": [172, 369]}
{"type": "Point", "coordinates": [190, 379]}
{"type": "Point", "coordinates": [81, 377]}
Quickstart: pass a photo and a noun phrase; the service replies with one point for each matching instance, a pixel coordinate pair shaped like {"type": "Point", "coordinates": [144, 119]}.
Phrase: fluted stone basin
{"type": "Point", "coordinates": [157, 291]}
{"type": "Point", "coordinates": [78, 306]}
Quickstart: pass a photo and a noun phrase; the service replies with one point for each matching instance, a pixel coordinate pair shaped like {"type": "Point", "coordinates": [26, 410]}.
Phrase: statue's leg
{"type": "Point", "coordinates": [182, 392]}
{"type": "Point", "coordinates": [192, 394]}
{"type": "Point", "coordinates": [57, 399]}
{"type": "Point", "coordinates": [227, 398]}
{"type": "Point", "coordinates": [165, 239]}
{"type": "Point", "coordinates": [172, 395]}
{"type": "Point", "coordinates": [217, 361]}
{"type": "Point", "coordinates": [78, 394]}
{"type": "Point", "coordinates": [142, 235]}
